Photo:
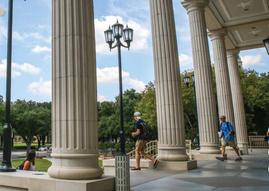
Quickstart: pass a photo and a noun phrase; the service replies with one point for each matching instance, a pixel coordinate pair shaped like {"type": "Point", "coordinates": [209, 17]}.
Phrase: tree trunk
{"type": "Point", "coordinates": [28, 148]}
{"type": "Point", "coordinates": [43, 140]}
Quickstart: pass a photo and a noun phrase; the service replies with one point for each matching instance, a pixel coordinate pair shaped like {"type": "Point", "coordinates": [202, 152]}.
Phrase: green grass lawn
{"type": "Point", "coordinates": [41, 164]}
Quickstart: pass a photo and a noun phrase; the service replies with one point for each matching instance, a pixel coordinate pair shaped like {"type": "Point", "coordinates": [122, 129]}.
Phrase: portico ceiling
{"type": "Point", "coordinates": [246, 21]}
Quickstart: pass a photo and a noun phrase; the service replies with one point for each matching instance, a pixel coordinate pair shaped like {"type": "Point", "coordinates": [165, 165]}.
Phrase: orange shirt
{"type": "Point", "coordinates": [27, 165]}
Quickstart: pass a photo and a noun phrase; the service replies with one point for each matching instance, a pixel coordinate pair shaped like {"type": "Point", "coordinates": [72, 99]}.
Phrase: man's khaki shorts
{"type": "Point", "coordinates": [140, 145]}
{"type": "Point", "coordinates": [225, 143]}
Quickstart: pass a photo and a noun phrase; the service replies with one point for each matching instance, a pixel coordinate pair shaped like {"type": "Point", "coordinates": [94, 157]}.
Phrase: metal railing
{"type": "Point", "coordinates": [257, 142]}
{"type": "Point", "coordinates": [152, 149]}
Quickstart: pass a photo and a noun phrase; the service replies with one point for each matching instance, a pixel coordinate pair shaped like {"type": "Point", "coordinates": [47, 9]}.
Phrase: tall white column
{"type": "Point", "coordinates": [171, 132]}
{"type": "Point", "coordinates": [224, 95]}
{"type": "Point", "coordinates": [206, 103]}
{"type": "Point", "coordinates": [74, 111]}
{"type": "Point", "coordinates": [238, 102]}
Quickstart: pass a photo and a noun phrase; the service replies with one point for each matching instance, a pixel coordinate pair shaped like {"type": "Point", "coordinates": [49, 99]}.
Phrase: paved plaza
{"type": "Point", "coordinates": [250, 174]}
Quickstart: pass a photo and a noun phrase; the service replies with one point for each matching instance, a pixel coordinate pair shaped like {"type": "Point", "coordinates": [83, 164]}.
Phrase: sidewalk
{"type": "Point", "coordinates": [251, 174]}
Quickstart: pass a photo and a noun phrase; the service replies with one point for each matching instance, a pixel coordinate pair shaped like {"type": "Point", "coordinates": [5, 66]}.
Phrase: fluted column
{"type": "Point", "coordinates": [206, 103]}
{"type": "Point", "coordinates": [238, 102]}
{"type": "Point", "coordinates": [74, 111]}
{"type": "Point", "coordinates": [171, 132]}
{"type": "Point", "coordinates": [224, 95]}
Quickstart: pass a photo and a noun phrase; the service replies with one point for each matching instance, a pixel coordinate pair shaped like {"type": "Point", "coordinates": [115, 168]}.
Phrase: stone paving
{"type": "Point", "coordinates": [249, 174]}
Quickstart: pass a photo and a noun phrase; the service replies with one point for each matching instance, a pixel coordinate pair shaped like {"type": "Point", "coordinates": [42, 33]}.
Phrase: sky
{"type": "Point", "coordinates": [31, 71]}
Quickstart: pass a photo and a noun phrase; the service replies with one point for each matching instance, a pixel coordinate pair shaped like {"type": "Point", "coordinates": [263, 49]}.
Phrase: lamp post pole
{"type": "Point", "coordinates": [6, 163]}
{"type": "Point", "coordinates": [122, 132]}
{"type": "Point", "coordinates": [117, 32]}
{"type": "Point", "coordinates": [122, 160]}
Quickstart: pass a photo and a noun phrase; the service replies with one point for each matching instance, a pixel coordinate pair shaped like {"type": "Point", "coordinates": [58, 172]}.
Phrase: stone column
{"type": "Point", "coordinates": [224, 95]}
{"type": "Point", "coordinates": [74, 111]}
{"type": "Point", "coordinates": [238, 103]}
{"type": "Point", "coordinates": [171, 132]}
{"type": "Point", "coordinates": [206, 103]}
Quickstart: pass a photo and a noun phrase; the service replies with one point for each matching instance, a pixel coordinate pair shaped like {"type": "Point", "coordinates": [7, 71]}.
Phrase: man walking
{"type": "Point", "coordinates": [227, 135]}
{"type": "Point", "coordinates": [141, 137]}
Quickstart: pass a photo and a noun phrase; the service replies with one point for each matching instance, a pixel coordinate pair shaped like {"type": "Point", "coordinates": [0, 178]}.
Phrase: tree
{"type": "Point", "coordinates": [29, 119]}
{"type": "Point", "coordinates": [147, 107]}
{"type": "Point", "coordinates": [255, 88]}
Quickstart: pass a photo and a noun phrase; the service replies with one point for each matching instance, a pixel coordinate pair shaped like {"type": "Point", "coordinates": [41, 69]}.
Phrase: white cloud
{"type": "Point", "coordinates": [185, 62]}
{"type": "Point", "coordinates": [19, 69]}
{"type": "Point", "coordinates": [101, 98]}
{"type": "Point", "coordinates": [252, 61]}
{"type": "Point", "coordinates": [39, 49]}
{"type": "Point", "coordinates": [141, 33]}
{"type": "Point", "coordinates": [19, 36]}
{"type": "Point", "coordinates": [40, 88]}
{"type": "Point", "coordinates": [110, 75]}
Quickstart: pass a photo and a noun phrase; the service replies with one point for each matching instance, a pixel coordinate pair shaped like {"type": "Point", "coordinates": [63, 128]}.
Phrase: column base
{"type": "Point", "coordinates": [33, 181]}
{"type": "Point", "coordinates": [172, 154]}
{"type": "Point", "coordinates": [75, 167]}
{"type": "Point", "coordinates": [209, 149]}
{"type": "Point", "coordinates": [177, 165]}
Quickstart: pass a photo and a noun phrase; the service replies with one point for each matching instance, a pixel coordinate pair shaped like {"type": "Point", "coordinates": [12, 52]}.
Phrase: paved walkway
{"type": "Point", "coordinates": [251, 174]}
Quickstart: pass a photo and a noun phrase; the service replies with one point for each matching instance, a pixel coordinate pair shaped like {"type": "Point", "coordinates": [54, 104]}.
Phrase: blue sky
{"type": "Point", "coordinates": [32, 48]}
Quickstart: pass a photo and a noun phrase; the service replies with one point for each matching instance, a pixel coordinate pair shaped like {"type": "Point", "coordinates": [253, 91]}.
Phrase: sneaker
{"type": "Point", "coordinates": [136, 169]}
{"type": "Point", "coordinates": [220, 158]}
{"type": "Point", "coordinates": [155, 164]}
{"type": "Point", "coordinates": [238, 159]}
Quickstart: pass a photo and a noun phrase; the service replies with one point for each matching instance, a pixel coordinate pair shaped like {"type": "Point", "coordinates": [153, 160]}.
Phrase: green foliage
{"type": "Point", "coordinates": [255, 89]}
{"type": "Point", "coordinates": [189, 105]}
{"type": "Point", "coordinates": [147, 107]}
{"type": "Point", "coordinates": [108, 119]}
{"type": "Point", "coordinates": [30, 119]}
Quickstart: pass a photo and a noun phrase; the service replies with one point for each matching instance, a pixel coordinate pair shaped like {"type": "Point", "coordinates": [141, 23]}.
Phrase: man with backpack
{"type": "Point", "coordinates": [227, 135]}
{"type": "Point", "coordinates": [141, 135]}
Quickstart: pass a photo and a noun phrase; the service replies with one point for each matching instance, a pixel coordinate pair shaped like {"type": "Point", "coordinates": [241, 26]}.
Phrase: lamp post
{"type": "Point", "coordinates": [116, 33]}
{"type": "Point", "coordinates": [122, 161]}
{"type": "Point", "coordinates": [266, 44]}
{"type": "Point", "coordinates": [6, 163]}
{"type": "Point", "coordinates": [189, 80]}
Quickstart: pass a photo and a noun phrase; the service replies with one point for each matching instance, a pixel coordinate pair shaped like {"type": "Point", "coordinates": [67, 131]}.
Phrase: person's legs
{"type": "Point", "coordinates": [138, 146]}
{"type": "Point", "coordinates": [233, 144]}
{"type": "Point", "coordinates": [223, 145]}
{"type": "Point", "coordinates": [147, 156]}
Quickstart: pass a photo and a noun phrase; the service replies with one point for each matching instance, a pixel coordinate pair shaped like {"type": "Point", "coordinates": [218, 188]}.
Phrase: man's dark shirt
{"type": "Point", "coordinates": [139, 125]}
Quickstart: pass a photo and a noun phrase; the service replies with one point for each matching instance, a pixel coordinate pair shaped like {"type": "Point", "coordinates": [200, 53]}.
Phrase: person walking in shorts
{"type": "Point", "coordinates": [227, 135]}
{"type": "Point", "coordinates": [141, 139]}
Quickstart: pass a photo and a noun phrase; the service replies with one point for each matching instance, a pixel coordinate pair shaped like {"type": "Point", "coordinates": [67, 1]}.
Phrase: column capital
{"type": "Point", "coordinates": [233, 52]}
{"type": "Point", "coordinates": [217, 34]}
{"type": "Point", "coordinates": [191, 5]}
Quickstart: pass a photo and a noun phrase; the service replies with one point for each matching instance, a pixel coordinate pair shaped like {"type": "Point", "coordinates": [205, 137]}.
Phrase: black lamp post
{"type": "Point", "coordinates": [190, 80]}
{"type": "Point", "coordinates": [116, 33]}
{"type": "Point", "coordinates": [6, 163]}
{"type": "Point", "coordinates": [186, 80]}
{"type": "Point", "coordinates": [266, 44]}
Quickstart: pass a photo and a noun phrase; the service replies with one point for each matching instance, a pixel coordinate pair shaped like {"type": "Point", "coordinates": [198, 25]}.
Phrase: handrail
{"type": "Point", "coordinates": [257, 142]}
{"type": "Point", "coordinates": [152, 149]}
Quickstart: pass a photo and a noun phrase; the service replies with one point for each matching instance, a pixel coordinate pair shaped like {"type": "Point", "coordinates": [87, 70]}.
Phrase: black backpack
{"type": "Point", "coordinates": [146, 133]}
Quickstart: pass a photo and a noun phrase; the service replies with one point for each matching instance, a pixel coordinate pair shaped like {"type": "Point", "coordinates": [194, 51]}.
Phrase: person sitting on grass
{"type": "Point", "coordinates": [29, 163]}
